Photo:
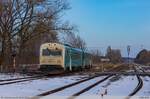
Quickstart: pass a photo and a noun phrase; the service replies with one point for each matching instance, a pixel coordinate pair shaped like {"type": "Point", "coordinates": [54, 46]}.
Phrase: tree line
{"type": "Point", "coordinates": [112, 55]}
{"type": "Point", "coordinates": [143, 57]}
{"type": "Point", "coordinates": [26, 24]}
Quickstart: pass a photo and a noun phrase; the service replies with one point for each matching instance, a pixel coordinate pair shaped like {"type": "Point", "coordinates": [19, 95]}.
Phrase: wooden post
{"type": "Point", "coordinates": [1, 68]}
{"type": "Point", "coordinates": [14, 64]}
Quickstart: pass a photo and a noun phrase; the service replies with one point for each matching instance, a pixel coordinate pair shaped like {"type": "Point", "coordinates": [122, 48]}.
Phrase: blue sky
{"type": "Point", "coordinates": [112, 22]}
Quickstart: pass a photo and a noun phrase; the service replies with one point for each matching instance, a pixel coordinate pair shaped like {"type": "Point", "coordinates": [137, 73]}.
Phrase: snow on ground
{"type": "Point", "coordinates": [145, 91]}
{"type": "Point", "coordinates": [66, 93]}
{"type": "Point", "coordinates": [35, 87]}
{"type": "Point", "coordinates": [4, 76]}
{"type": "Point", "coordinates": [123, 87]}
{"type": "Point", "coordinates": [114, 87]}
{"type": "Point", "coordinates": [72, 90]}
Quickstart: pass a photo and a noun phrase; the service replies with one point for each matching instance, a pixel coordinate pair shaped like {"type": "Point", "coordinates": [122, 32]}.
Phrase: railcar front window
{"type": "Point", "coordinates": [47, 52]}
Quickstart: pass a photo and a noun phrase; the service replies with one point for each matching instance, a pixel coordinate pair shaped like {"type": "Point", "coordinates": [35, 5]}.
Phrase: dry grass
{"type": "Point", "coordinates": [109, 66]}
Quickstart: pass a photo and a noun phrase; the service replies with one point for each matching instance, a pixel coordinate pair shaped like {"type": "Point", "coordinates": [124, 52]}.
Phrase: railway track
{"type": "Point", "coordinates": [38, 76]}
{"type": "Point", "coordinates": [18, 78]}
{"type": "Point", "coordinates": [24, 79]}
{"type": "Point", "coordinates": [138, 87]}
{"type": "Point", "coordinates": [12, 81]}
{"type": "Point", "coordinates": [139, 67]}
{"type": "Point", "coordinates": [60, 89]}
{"type": "Point", "coordinates": [88, 88]}
{"type": "Point", "coordinates": [79, 82]}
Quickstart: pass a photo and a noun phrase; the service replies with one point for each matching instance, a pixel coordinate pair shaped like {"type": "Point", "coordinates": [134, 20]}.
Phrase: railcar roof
{"type": "Point", "coordinates": [66, 46]}
{"type": "Point", "coordinates": [75, 49]}
{"type": "Point", "coordinates": [44, 44]}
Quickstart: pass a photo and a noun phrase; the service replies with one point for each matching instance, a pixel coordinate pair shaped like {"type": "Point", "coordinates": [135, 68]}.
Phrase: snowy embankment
{"type": "Point", "coordinates": [4, 76]}
{"type": "Point", "coordinates": [35, 87]}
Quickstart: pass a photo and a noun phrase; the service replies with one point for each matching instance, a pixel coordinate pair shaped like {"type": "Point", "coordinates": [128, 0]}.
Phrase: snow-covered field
{"type": "Point", "coordinates": [115, 86]}
{"type": "Point", "coordinates": [121, 87]}
{"type": "Point", "coordinates": [66, 93]}
{"type": "Point", "coordinates": [4, 76]}
{"type": "Point", "coordinates": [77, 88]}
{"type": "Point", "coordinates": [35, 87]}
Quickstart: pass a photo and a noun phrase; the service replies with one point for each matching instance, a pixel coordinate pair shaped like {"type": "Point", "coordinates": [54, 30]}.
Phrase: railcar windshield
{"type": "Point", "coordinates": [48, 52]}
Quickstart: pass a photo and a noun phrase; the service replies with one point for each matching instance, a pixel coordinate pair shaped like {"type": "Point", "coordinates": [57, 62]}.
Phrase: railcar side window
{"type": "Point", "coordinates": [76, 56]}
{"type": "Point", "coordinates": [47, 52]}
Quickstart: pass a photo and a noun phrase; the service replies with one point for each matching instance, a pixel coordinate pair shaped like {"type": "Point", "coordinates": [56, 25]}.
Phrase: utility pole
{"type": "Point", "coordinates": [128, 51]}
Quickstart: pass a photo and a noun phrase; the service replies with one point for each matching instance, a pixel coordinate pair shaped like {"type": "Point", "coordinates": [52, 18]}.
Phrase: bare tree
{"type": "Point", "coordinates": [96, 56]}
{"type": "Point", "coordinates": [143, 57]}
{"type": "Point", "coordinates": [114, 55]}
{"type": "Point", "coordinates": [22, 21]}
{"type": "Point", "coordinates": [75, 41]}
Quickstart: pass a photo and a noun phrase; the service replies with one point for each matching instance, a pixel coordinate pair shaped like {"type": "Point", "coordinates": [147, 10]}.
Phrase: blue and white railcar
{"type": "Point", "coordinates": [54, 56]}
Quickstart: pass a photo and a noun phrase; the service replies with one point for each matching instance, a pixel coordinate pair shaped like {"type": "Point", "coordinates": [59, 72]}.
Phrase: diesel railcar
{"type": "Point", "coordinates": [56, 56]}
